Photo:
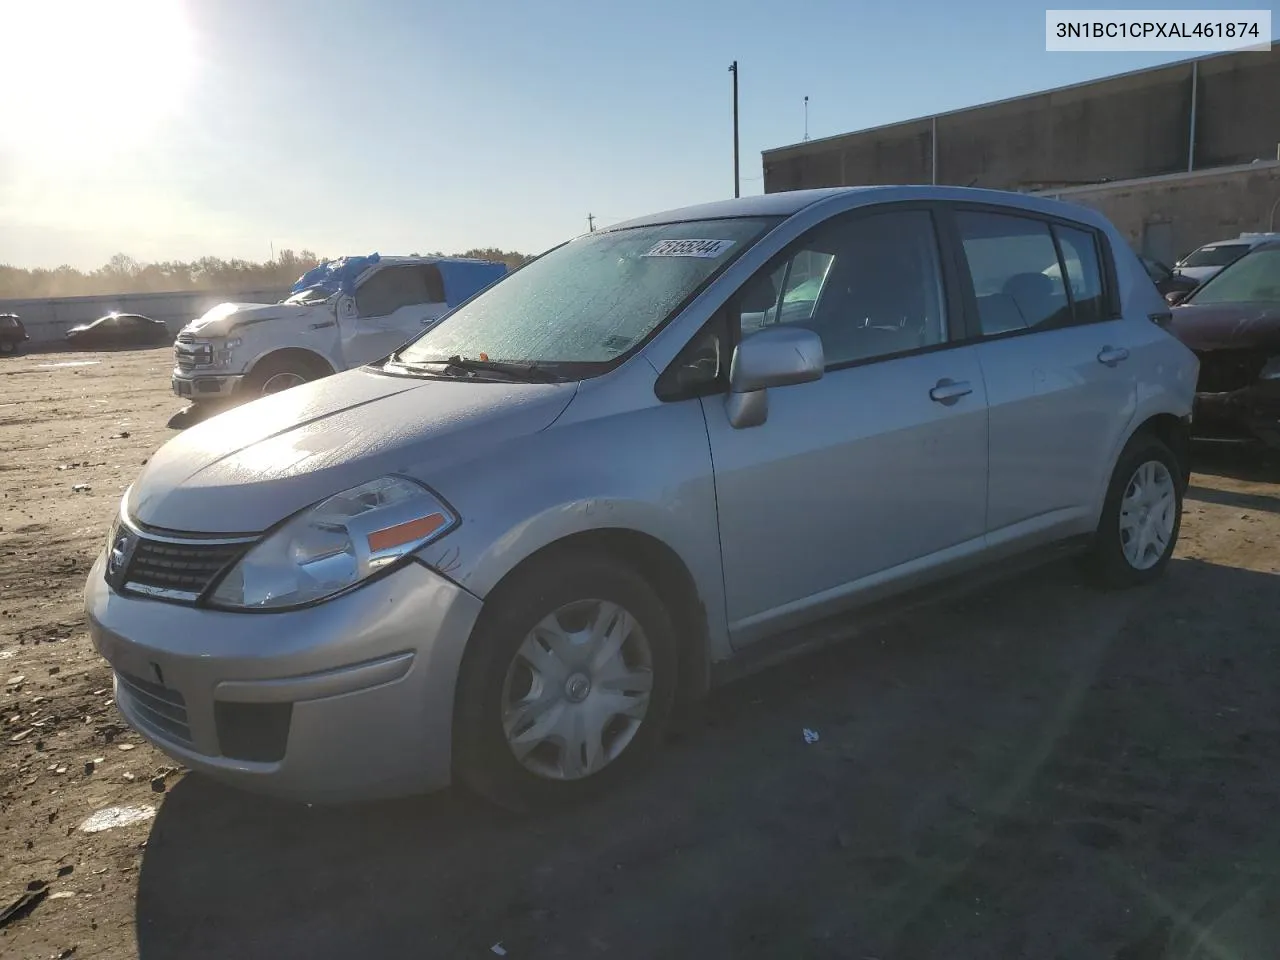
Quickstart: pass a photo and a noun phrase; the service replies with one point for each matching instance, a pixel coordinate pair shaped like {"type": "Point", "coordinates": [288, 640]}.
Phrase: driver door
{"type": "Point", "coordinates": [876, 473]}
{"type": "Point", "coordinates": [392, 307]}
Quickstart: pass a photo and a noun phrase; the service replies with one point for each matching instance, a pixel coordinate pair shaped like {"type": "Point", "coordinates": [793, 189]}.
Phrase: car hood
{"type": "Point", "coordinates": [249, 468]}
{"type": "Point", "coordinates": [1220, 326]}
{"type": "Point", "coordinates": [222, 320]}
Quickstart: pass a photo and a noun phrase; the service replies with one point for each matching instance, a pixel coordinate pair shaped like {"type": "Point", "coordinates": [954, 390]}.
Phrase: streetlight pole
{"type": "Point", "coordinates": [733, 68]}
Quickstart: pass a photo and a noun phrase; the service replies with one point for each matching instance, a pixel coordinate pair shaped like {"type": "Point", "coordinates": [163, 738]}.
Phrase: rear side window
{"type": "Point", "coordinates": [435, 283]}
{"type": "Point", "coordinates": [1017, 279]}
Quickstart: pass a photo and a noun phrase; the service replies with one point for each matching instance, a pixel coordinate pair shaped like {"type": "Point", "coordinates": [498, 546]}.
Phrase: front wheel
{"type": "Point", "coordinates": [567, 684]}
{"type": "Point", "coordinates": [277, 374]}
{"type": "Point", "coordinates": [1142, 515]}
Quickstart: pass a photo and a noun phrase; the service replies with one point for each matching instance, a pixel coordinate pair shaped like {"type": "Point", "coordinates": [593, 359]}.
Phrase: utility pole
{"type": "Point", "coordinates": [591, 223]}
{"type": "Point", "coordinates": [733, 68]}
{"type": "Point", "coordinates": [806, 118]}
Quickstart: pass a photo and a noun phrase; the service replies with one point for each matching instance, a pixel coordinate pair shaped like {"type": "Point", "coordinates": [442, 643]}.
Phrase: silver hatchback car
{"type": "Point", "coordinates": [502, 555]}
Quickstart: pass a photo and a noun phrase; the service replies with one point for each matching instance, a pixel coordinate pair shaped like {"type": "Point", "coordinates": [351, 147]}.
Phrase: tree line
{"type": "Point", "coordinates": [123, 274]}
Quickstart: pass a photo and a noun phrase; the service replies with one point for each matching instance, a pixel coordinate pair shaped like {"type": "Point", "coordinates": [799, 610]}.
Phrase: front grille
{"type": "Point", "coordinates": [159, 708]}
{"type": "Point", "coordinates": [1222, 371]}
{"type": "Point", "coordinates": [189, 353]}
{"type": "Point", "coordinates": [180, 571]}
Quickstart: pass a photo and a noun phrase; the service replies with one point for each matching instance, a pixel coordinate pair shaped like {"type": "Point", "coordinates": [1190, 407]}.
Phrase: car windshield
{"type": "Point", "coordinates": [1251, 279]}
{"type": "Point", "coordinates": [592, 300]}
{"type": "Point", "coordinates": [1216, 256]}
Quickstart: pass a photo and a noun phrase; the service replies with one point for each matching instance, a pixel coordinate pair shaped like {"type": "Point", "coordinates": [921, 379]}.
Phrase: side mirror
{"type": "Point", "coordinates": [1175, 297]}
{"type": "Point", "coordinates": [775, 357]}
{"type": "Point", "coordinates": [347, 307]}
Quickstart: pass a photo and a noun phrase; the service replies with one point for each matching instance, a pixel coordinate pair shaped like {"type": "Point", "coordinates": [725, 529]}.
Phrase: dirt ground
{"type": "Point", "coordinates": [1044, 770]}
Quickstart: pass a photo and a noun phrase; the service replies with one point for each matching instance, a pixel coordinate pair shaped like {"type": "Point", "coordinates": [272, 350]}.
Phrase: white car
{"type": "Point", "coordinates": [343, 314]}
{"type": "Point", "coordinates": [1204, 262]}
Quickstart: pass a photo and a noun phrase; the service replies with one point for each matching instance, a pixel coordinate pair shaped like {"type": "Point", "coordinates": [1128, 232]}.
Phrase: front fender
{"type": "Point", "coordinates": [647, 471]}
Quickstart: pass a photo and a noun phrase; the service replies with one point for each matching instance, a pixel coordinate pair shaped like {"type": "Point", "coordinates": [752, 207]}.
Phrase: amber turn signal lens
{"type": "Point", "coordinates": [407, 532]}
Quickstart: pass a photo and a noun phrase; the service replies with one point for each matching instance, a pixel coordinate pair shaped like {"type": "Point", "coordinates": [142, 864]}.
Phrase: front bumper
{"type": "Point", "coordinates": [204, 386]}
{"type": "Point", "coordinates": [351, 699]}
{"type": "Point", "coordinates": [1252, 413]}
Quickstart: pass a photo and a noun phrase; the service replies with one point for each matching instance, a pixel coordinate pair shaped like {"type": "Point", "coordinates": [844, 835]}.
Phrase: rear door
{"type": "Point", "coordinates": [874, 472]}
{"type": "Point", "coordinates": [1055, 356]}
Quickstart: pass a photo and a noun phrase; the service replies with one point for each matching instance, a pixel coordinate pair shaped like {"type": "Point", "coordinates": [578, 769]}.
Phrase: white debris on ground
{"type": "Point", "coordinates": [111, 817]}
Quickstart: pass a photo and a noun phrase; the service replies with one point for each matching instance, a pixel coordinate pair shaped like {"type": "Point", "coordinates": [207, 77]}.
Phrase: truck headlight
{"type": "Point", "coordinates": [1270, 370]}
{"type": "Point", "coordinates": [224, 352]}
{"type": "Point", "coordinates": [336, 544]}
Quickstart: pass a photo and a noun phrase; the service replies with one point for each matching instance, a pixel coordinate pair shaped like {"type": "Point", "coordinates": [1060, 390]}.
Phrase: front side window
{"type": "Point", "coordinates": [388, 290]}
{"type": "Point", "coordinates": [868, 285]}
{"type": "Point", "coordinates": [1017, 278]}
{"type": "Point", "coordinates": [591, 300]}
{"type": "Point", "coordinates": [1251, 279]}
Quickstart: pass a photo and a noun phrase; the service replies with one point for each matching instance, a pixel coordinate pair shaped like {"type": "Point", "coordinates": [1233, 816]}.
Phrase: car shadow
{"type": "Point", "coordinates": [968, 781]}
{"type": "Point", "coordinates": [1232, 498]}
{"type": "Point", "coordinates": [1250, 462]}
{"type": "Point", "coordinates": [194, 413]}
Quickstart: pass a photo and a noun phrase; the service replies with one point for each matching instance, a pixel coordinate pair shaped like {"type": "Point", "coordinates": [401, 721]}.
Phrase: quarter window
{"type": "Point", "coordinates": [1084, 275]}
{"type": "Point", "coordinates": [869, 286]}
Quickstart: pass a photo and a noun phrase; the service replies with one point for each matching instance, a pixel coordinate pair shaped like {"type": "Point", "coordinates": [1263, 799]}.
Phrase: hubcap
{"type": "Point", "coordinates": [577, 690]}
{"type": "Point", "coordinates": [282, 381]}
{"type": "Point", "coordinates": [1148, 512]}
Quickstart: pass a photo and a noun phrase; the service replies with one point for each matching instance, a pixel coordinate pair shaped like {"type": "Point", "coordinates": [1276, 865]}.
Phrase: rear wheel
{"type": "Point", "coordinates": [567, 685]}
{"type": "Point", "coordinates": [1142, 515]}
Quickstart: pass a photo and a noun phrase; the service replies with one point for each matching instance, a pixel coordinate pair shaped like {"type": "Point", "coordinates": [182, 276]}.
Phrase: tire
{"type": "Point", "coordinates": [8, 346]}
{"type": "Point", "coordinates": [275, 374]}
{"type": "Point", "coordinates": [1109, 560]}
{"type": "Point", "coordinates": [494, 681]}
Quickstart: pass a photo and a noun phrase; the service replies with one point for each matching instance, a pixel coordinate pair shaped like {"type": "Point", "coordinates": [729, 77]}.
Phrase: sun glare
{"type": "Point", "coordinates": [94, 75]}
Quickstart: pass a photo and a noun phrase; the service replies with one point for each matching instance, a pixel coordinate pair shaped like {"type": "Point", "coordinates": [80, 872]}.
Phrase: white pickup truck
{"type": "Point", "coordinates": [342, 314]}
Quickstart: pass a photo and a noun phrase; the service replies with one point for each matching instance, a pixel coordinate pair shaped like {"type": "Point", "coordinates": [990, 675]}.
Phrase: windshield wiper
{"type": "Point", "coordinates": [511, 369]}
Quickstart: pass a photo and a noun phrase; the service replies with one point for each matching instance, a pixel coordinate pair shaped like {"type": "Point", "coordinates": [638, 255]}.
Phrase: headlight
{"type": "Point", "coordinates": [1270, 370]}
{"type": "Point", "coordinates": [224, 351]}
{"type": "Point", "coordinates": [336, 544]}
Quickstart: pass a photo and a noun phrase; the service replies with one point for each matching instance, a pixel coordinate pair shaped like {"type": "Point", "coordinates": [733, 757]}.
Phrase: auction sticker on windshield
{"type": "Point", "coordinates": [707, 249]}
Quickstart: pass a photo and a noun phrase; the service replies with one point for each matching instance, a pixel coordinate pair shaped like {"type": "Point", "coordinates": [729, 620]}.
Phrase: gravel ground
{"type": "Point", "coordinates": [1043, 770]}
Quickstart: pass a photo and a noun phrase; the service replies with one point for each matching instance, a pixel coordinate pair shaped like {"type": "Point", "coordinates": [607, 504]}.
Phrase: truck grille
{"type": "Point", "coordinates": [159, 708]}
{"type": "Point", "coordinates": [179, 570]}
{"type": "Point", "coordinates": [1222, 371]}
{"type": "Point", "coordinates": [189, 353]}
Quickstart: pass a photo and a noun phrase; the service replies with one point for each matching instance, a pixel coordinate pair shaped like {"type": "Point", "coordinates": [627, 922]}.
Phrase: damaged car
{"type": "Point", "coordinates": [342, 314]}
{"type": "Point", "coordinates": [1232, 323]}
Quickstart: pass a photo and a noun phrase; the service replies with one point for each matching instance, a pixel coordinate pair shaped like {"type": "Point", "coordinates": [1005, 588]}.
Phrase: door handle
{"type": "Point", "coordinates": [948, 392]}
{"type": "Point", "coordinates": [1110, 356]}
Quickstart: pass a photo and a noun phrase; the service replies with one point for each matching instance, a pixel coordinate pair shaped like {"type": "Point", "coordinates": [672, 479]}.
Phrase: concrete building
{"type": "Point", "coordinates": [1177, 155]}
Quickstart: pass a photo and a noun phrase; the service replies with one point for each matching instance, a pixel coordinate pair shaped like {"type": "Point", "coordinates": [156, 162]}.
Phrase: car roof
{"type": "Point", "coordinates": [1253, 241]}
{"type": "Point", "coordinates": [791, 202]}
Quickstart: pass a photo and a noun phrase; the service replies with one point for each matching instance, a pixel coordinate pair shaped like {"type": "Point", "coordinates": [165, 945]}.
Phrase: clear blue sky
{"type": "Point", "coordinates": [405, 125]}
